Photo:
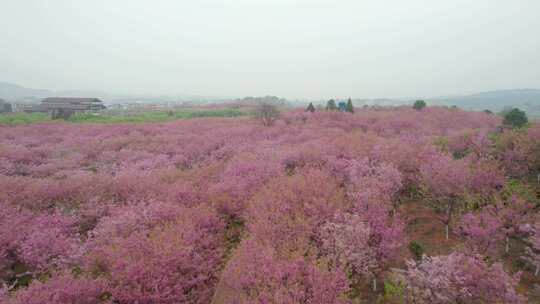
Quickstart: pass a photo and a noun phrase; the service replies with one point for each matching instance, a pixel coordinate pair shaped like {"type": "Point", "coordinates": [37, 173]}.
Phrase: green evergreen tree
{"type": "Point", "coordinates": [419, 105]}
{"type": "Point", "coordinates": [350, 107]}
{"type": "Point", "coordinates": [331, 105]}
{"type": "Point", "coordinates": [310, 108]}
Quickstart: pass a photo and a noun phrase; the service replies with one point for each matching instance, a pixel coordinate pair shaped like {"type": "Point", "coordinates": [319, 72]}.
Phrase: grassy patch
{"type": "Point", "coordinates": [150, 116]}
{"type": "Point", "coordinates": [210, 113]}
{"type": "Point", "coordinates": [23, 118]}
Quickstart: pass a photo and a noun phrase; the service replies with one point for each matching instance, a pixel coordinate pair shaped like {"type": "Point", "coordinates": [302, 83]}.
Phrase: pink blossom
{"type": "Point", "coordinates": [482, 231]}
{"type": "Point", "coordinates": [257, 275]}
{"type": "Point", "coordinates": [61, 289]}
{"type": "Point", "coordinates": [459, 278]}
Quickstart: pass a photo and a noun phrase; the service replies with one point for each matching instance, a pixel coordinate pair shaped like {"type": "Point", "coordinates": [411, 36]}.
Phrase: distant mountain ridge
{"type": "Point", "coordinates": [494, 100]}
{"type": "Point", "coordinates": [497, 100]}
{"type": "Point", "coordinates": [11, 91]}
{"type": "Point", "coordinates": [527, 99]}
{"type": "Point", "coordinates": [15, 92]}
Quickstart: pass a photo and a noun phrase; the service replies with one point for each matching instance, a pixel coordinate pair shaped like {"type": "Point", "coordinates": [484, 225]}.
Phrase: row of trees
{"type": "Point", "coordinates": [514, 117]}
{"type": "Point", "coordinates": [331, 106]}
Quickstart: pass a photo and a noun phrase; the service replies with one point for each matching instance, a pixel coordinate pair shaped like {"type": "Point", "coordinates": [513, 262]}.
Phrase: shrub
{"type": "Point", "coordinates": [417, 249]}
{"type": "Point", "coordinates": [267, 113]}
{"type": "Point", "coordinates": [515, 118]}
{"type": "Point", "coordinates": [419, 105]}
{"type": "Point", "coordinates": [393, 292]}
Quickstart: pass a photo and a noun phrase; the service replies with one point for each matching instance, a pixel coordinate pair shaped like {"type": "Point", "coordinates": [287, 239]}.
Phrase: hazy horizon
{"type": "Point", "coordinates": [309, 49]}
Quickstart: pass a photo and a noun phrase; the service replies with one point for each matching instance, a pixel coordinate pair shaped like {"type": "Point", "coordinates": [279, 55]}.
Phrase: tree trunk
{"type": "Point", "coordinates": [507, 245]}
{"type": "Point", "coordinates": [536, 270]}
{"type": "Point", "coordinates": [449, 210]}
{"type": "Point", "coordinates": [375, 284]}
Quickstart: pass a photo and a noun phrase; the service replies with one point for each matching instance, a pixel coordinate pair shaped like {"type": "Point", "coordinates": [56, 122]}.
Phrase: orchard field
{"type": "Point", "coordinates": [388, 205]}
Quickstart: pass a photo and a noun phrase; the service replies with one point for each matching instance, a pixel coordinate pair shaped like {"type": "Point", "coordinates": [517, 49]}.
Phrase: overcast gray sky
{"type": "Point", "coordinates": [291, 48]}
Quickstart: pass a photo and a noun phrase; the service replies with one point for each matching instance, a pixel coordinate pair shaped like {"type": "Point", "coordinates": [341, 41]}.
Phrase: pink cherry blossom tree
{"type": "Point", "coordinates": [444, 181]}
{"type": "Point", "coordinates": [364, 243]}
{"type": "Point", "coordinates": [62, 289]}
{"type": "Point", "coordinates": [532, 251]}
{"type": "Point", "coordinates": [257, 274]}
{"type": "Point", "coordinates": [345, 241]}
{"type": "Point", "coordinates": [177, 261]}
{"type": "Point", "coordinates": [459, 278]}
{"type": "Point", "coordinates": [513, 214]}
{"type": "Point", "coordinates": [482, 231]}
{"type": "Point", "coordinates": [294, 206]}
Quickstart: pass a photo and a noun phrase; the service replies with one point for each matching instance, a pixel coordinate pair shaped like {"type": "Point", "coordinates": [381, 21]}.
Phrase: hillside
{"type": "Point", "coordinates": [527, 99]}
{"type": "Point", "coordinates": [15, 92]}
{"type": "Point", "coordinates": [10, 91]}
{"type": "Point", "coordinates": [323, 207]}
